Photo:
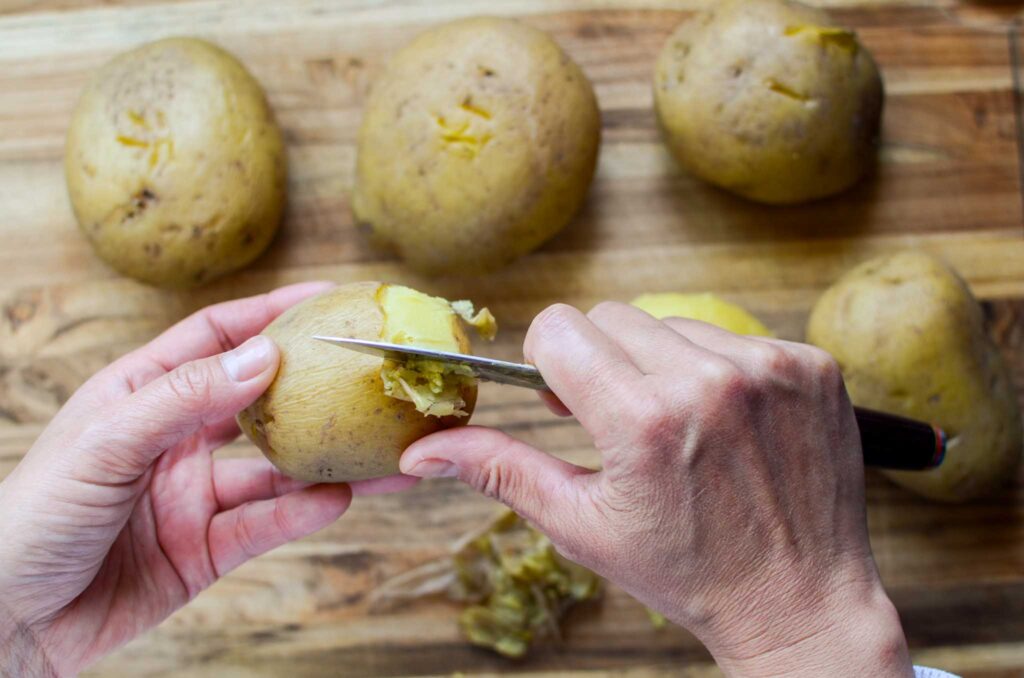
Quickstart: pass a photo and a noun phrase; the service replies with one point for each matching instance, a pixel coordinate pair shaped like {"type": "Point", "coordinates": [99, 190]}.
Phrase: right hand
{"type": "Point", "coordinates": [731, 497]}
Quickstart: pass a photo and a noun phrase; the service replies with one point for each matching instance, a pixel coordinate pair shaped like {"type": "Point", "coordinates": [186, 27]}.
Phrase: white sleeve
{"type": "Point", "coordinates": [924, 672]}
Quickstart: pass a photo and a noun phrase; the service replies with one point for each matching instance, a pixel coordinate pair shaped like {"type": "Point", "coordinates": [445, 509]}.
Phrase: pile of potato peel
{"type": "Point", "coordinates": [515, 584]}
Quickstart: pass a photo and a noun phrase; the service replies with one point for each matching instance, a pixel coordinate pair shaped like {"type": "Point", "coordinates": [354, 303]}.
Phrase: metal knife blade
{"type": "Point", "coordinates": [489, 369]}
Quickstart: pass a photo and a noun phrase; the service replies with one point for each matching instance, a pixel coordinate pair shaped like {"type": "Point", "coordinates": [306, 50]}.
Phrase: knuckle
{"type": "Point", "coordinates": [822, 365]}
{"type": "Point", "coordinates": [243, 534]}
{"type": "Point", "coordinates": [191, 381]}
{"type": "Point", "coordinates": [276, 481]}
{"type": "Point", "coordinates": [771, 359]}
{"type": "Point", "coordinates": [495, 480]}
{"type": "Point", "coordinates": [660, 424]}
{"type": "Point", "coordinates": [283, 522]}
{"type": "Point", "coordinates": [723, 380]}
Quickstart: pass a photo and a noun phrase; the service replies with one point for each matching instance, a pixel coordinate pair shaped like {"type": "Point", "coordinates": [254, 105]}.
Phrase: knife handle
{"type": "Point", "coordinates": [894, 442]}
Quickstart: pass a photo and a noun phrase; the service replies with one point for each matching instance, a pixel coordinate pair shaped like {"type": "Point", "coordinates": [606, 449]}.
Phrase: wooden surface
{"type": "Point", "coordinates": [948, 181]}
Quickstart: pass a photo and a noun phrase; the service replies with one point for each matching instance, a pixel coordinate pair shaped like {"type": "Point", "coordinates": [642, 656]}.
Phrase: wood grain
{"type": "Point", "coordinates": [948, 181]}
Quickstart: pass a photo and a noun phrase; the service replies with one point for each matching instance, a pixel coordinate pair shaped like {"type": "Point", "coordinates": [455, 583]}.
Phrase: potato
{"type": "Point", "coordinates": [705, 307]}
{"type": "Point", "coordinates": [478, 143]}
{"type": "Point", "coordinates": [174, 164]}
{"type": "Point", "coordinates": [767, 99]}
{"type": "Point", "coordinates": [334, 415]}
{"type": "Point", "coordinates": [911, 340]}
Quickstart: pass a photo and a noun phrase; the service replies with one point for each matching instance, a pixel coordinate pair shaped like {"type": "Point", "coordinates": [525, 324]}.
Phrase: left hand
{"type": "Point", "coordinates": [119, 515]}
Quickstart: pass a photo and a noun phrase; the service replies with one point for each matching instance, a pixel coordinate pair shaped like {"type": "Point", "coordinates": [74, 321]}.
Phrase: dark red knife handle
{"type": "Point", "coordinates": [894, 442]}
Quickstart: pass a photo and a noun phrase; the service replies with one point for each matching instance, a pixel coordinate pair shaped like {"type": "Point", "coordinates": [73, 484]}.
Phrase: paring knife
{"type": "Point", "coordinates": [889, 441]}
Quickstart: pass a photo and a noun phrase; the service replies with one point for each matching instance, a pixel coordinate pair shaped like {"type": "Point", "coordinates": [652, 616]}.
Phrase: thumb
{"type": "Point", "coordinates": [543, 489]}
{"type": "Point", "coordinates": [172, 408]}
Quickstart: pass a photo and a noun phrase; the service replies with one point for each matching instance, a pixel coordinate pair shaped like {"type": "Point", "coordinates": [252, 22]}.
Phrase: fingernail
{"type": "Point", "coordinates": [248, 360]}
{"type": "Point", "coordinates": [433, 468]}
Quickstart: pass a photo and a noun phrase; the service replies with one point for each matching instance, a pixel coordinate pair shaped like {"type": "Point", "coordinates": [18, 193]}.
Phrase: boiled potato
{"type": "Point", "coordinates": [174, 164]}
{"type": "Point", "coordinates": [334, 415]}
{"type": "Point", "coordinates": [911, 340]}
{"type": "Point", "coordinates": [769, 100]}
{"type": "Point", "coordinates": [705, 307]}
{"type": "Point", "coordinates": [478, 143]}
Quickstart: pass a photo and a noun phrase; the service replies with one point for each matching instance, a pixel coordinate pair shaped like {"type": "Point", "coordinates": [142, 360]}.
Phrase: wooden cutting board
{"type": "Point", "coordinates": [948, 182]}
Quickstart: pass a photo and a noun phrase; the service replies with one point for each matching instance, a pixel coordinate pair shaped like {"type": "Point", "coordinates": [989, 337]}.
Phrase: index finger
{"type": "Point", "coordinates": [588, 372]}
{"type": "Point", "coordinates": [221, 327]}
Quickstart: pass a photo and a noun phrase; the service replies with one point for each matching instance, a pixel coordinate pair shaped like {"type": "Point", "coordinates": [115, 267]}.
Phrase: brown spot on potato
{"type": "Point", "coordinates": [199, 230]}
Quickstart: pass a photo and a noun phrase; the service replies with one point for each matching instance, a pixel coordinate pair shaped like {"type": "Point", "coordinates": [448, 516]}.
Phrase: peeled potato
{"type": "Point", "coordinates": [478, 143]}
{"type": "Point", "coordinates": [175, 165]}
{"type": "Point", "coordinates": [769, 100]}
{"type": "Point", "coordinates": [705, 307]}
{"type": "Point", "coordinates": [334, 415]}
{"type": "Point", "coordinates": [911, 340]}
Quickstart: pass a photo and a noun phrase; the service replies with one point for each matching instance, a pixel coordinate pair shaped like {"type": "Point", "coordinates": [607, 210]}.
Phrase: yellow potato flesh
{"type": "Point", "coordinates": [416, 319]}
{"type": "Point", "coordinates": [705, 307]}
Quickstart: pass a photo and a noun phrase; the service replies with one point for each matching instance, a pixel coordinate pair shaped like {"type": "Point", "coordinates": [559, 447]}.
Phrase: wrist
{"type": "Point", "coordinates": [858, 632]}
{"type": "Point", "coordinates": [21, 654]}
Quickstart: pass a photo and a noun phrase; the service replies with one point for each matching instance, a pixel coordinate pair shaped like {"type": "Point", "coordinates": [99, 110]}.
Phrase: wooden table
{"type": "Point", "coordinates": [949, 182]}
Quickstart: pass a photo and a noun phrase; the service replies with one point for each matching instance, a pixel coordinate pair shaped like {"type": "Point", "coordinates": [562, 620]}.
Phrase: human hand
{"type": "Point", "coordinates": [119, 515]}
{"type": "Point", "coordinates": [731, 496]}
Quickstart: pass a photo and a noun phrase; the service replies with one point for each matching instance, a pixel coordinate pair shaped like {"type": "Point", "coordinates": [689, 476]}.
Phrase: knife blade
{"type": "Point", "coordinates": [488, 369]}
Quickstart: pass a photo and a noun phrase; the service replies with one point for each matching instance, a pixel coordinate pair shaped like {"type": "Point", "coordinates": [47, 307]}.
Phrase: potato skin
{"type": "Point", "coordinates": [478, 143]}
{"type": "Point", "coordinates": [174, 164]}
{"type": "Point", "coordinates": [911, 340]}
{"type": "Point", "coordinates": [751, 102]}
{"type": "Point", "coordinates": [325, 417]}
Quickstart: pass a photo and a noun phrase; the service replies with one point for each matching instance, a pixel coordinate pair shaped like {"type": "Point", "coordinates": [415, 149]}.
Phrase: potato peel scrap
{"type": "Point", "coordinates": [482, 321]}
{"type": "Point", "coordinates": [516, 585]}
{"type": "Point", "coordinates": [431, 386]}
{"type": "Point", "coordinates": [658, 620]}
